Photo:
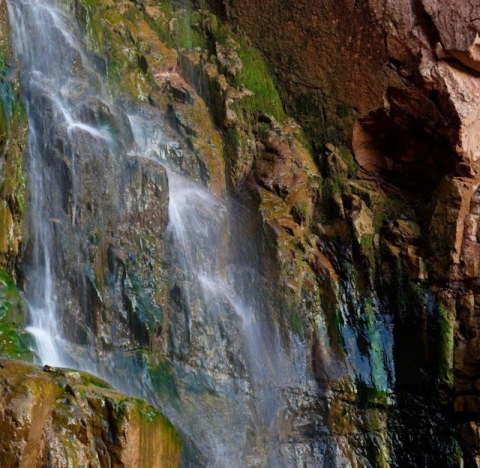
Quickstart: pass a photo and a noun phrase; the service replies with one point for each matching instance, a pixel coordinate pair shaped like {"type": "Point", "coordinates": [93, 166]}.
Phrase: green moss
{"type": "Point", "coordinates": [335, 329]}
{"type": "Point", "coordinates": [188, 30]}
{"type": "Point", "coordinates": [261, 130]}
{"type": "Point", "coordinates": [148, 413]}
{"type": "Point", "coordinates": [296, 324]}
{"type": "Point", "coordinates": [390, 209]}
{"type": "Point", "coordinates": [257, 78]}
{"type": "Point", "coordinates": [185, 36]}
{"type": "Point", "coordinates": [349, 160]}
{"type": "Point", "coordinates": [446, 322]}
{"type": "Point", "coordinates": [183, 28]}
{"type": "Point", "coordinates": [301, 137]}
{"type": "Point", "coordinates": [366, 242]}
{"type": "Point", "coordinates": [88, 14]}
{"type": "Point", "coordinates": [13, 308]}
{"type": "Point", "coordinates": [370, 254]}
{"type": "Point", "coordinates": [302, 210]}
{"type": "Point", "coordinates": [88, 379]}
{"type": "Point", "coordinates": [162, 379]}
{"type": "Point", "coordinates": [16, 344]}
{"type": "Point", "coordinates": [142, 302]}
{"type": "Point", "coordinates": [106, 34]}
{"type": "Point", "coordinates": [370, 396]}
{"type": "Point", "coordinates": [342, 111]}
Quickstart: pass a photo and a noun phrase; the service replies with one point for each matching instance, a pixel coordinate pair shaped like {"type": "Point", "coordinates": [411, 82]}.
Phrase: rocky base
{"type": "Point", "coordinates": [62, 418]}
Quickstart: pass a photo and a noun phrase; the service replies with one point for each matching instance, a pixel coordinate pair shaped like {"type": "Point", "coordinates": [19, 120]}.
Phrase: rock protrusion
{"type": "Point", "coordinates": [67, 418]}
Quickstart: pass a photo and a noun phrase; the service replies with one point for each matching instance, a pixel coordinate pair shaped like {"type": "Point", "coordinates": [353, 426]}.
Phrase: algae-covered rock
{"type": "Point", "coordinates": [15, 342]}
{"type": "Point", "coordinates": [61, 418]}
{"type": "Point", "coordinates": [13, 308]}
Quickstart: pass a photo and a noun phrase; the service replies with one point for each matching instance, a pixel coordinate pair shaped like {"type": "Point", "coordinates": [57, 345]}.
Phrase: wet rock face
{"type": "Point", "coordinates": [346, 270]}
{"type": "Point", "coordinates": [320, 232]}
{"type": "Point", "coordinates": [398, 83]}
{"type": "Point", "coordinates": [130, 280]}
{"type": "Point", "coordinates": [118, 224]}
{"type": "Point", "coordinates": [109, 231]}
{"type": "Point", "coordinates": [66, 418]}
{"type": "Point", "coordinates": [14, 130]}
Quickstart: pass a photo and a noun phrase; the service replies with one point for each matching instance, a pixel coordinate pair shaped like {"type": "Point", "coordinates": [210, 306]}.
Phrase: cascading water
{"type": "Point", "coordinates": [231, 369]}
{"type": "Point", "coordinates": [41, 77]}
{"type": "Point", "coordinates": [240, 354]}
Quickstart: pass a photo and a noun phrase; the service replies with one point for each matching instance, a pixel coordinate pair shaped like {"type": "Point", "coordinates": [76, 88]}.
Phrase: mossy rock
{"type": "Point", "coordinates": [243, 64]}
{"type": "Point", "coordinates": [15, 342]}
{"type": "Point", "coordinates": [13, 307]}
{"type": "Point", "coordinates": [160, 374]}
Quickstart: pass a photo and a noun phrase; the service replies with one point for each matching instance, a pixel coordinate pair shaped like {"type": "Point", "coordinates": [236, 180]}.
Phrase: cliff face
{"type": "Point", "coordinates": [14, 129]}
{"type": "Point", "coordinates": [388, 59]}
{"type": "Point", "coordinates": [57, 417]}
{"type": "Point", "coordinates": [351, 230]}
{"type": "Point", "coordinates": [398, 83]}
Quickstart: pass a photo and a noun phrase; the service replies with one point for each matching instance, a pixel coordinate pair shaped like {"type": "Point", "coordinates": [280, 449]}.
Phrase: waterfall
{"type": "Point", "coordinates": [221, 293]}
{"type": "Point", "coordinates": [41, 75]}
{"type": "Point", "coordinates": [237, 378]}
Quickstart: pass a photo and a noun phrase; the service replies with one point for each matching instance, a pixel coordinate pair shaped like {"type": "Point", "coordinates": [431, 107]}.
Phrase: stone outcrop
{"type": "Point", "coordinates": [375, 63]}
{"type": "Point", "coordinates": [341, 241]}
{"type": "Point", "coordinates": [124, 262]}
{"type": "Point", "coordinates": [398, 83]}
{"type": "Point", "coordinates": [62, 418]}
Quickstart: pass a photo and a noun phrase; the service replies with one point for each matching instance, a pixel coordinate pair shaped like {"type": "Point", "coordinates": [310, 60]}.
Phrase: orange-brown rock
{"type": "Point", "coordinates": [330, 56]}
{"type": "Point", "coordinates": [405, 75]}
{"type": "Point", "coordinates": [62, 418]}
